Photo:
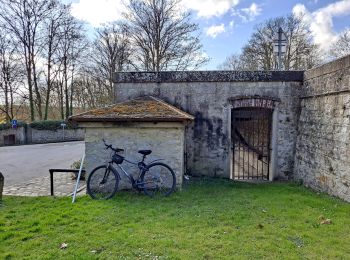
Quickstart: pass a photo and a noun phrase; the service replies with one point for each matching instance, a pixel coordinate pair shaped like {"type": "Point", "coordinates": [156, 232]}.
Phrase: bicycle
{"type": "Point", "coordinates": [155, 178]}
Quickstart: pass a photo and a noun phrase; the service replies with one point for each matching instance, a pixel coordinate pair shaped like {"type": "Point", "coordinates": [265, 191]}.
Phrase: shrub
{"type": "Point", "coordinates": [9, 125]}
{"type": "Point", "coordinates": [51, 125]}
{"type": "Point", "coordinates": [76, 165]}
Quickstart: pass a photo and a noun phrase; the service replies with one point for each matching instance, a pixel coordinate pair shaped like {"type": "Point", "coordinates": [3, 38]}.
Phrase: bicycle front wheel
{"type": "Point", "coordinates": [102, 183]}
{"type": "Point", "coordinates": [158, 179]}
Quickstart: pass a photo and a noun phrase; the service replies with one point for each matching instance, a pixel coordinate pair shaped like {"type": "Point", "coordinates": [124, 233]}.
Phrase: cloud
{"type": "Point", "coordinates": [252, 11]}
{"type": "Point", "coordinates": [215, 30]}
{"type": "Point", "coordinates": [210, 8]}
{"type": "Point", "coordinates": [321, 21]}
{"type": "Point", "coordinates": [98, 12]}
{"type": "Point", "coordinates": [248, 14]}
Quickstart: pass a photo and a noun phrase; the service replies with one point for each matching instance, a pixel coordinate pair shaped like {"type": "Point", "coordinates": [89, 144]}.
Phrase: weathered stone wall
{"type": "Point", "coordinates": [322, 157]}
{"type": "Point", "coordinates": [19, 133]}
{"type": "Point", "coordinates": [166, 140]}
{"type": "Point", "coordinates": [52, 136]}
{"type": "Point", "coordinates": [206, 96]}
{"type": "Point", "coordinates": [34, 136]}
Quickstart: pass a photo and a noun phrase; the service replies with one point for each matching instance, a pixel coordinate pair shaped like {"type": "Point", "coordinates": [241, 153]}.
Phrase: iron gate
{"type": "Point", "coordinates": [251, 135]}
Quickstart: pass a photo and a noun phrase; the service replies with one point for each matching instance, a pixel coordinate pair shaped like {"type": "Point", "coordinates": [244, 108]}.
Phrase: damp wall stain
{"type": "Point", "coordinates": [208, 141]}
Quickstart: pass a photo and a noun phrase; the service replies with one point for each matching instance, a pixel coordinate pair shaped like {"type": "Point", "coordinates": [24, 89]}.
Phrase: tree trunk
{"type": "Point", "coordinates": [6, 94]}
{"type": "Point", "coordinates": [36, 87]}
{"type": "Point", "coordinates": [71, 93]}
{"type": "Point", "coordinates": [61, 99]}
{"type": "Point", "coordinates": [30, 88]}
{"type": "Point", "coordinates": [66, 94]}
{"type": "Point", "coordinates": [11, 104]}
{"type": "Point", "coordinates": [29, 81]}
{"type": "Point", "coordinates": [47, 102]}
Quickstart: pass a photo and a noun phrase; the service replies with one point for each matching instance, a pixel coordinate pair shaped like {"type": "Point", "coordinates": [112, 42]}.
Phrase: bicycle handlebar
{"type": "Point", "coordinates": [109, 146]}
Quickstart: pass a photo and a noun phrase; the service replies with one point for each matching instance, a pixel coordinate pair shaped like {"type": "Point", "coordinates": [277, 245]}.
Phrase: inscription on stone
{"type": "Point", "coordinates": [254, 102]}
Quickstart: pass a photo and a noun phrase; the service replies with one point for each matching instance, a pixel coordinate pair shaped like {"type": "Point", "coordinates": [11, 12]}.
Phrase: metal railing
{"type": "Point", "coordinates": [52, 171]}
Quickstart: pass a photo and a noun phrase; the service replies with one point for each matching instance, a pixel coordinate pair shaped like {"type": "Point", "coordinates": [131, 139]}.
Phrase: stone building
{"type": "Point", "coordinates": [304, 117]}
{"type": "Point", "coordinates": [140, 123]}
{"type": "Point", "coordinates": [215, 144]}
{"type": "Point", "coordinates": [255, 125]}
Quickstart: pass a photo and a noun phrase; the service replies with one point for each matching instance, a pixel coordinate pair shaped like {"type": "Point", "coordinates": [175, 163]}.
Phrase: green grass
{"type": "Point", "coordinates": [208, 220]}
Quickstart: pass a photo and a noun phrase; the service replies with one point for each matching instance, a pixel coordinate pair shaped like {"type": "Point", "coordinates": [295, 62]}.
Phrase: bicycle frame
{"type": "Point", "coordinates": [141, 166]}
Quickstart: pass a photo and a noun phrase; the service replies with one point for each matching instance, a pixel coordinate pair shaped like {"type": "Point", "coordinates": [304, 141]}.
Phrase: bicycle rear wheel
{"type": "Point", "coordinates": [158, 179]}
{"type": "Point", "coordinates": [102, 183]}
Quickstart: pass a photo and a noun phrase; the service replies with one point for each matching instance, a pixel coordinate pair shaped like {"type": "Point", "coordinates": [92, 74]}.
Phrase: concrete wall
{"type": "Point", "coordinates": [206, 96]}
{"type": "Point", "coordinates": [166, 140]}
{"type": "Point", "coordinates": [322, 157]}
{"type": "Point", "coordinates": [18, 132]}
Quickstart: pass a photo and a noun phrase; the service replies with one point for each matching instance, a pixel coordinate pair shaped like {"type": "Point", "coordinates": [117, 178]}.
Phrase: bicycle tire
{"type": "Point", "coordinates": [109, 188]}
{"type": "Point", "coordinates": [154, 176]}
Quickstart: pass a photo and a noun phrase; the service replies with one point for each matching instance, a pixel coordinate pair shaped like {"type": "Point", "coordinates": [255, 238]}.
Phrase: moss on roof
{"type": "Point", "coordinates": [146, 108]}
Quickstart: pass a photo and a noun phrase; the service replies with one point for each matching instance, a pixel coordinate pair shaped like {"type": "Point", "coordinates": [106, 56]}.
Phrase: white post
{"type": "Point", "coordinates": [78, 179]}
{"type": "Point", "coordinates": [63, 125]}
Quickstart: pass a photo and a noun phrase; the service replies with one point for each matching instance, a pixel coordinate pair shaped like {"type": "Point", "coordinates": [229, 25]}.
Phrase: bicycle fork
{"type": "Point", "coordinates": [109, 168]}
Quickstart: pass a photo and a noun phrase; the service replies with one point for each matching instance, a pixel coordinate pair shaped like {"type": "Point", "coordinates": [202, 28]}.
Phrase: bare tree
{"type": "Point", "coordinates": [233, 62]}
{"type": "Point", "coordinates": [342, 46]}
{"type": "Point", "coordinates": [90, 92]}
{"type": "Point", "coordinates": [110, 52]}
{"type": "Point", "coordinates": [11, 77]}
{"type": "Point", "coordinates": [258, 54]}
{"type": "Point", "coordinates": [52, 34]}
{"type": "Point", "coordinates": [23, 20]}
{"type": "Point", "coordinates": [69, 51]}
{"type": "Point", "coordinates": [162, 36]}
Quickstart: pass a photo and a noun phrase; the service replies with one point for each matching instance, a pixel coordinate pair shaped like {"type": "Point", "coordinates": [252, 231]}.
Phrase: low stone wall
{"type": "Point", "coordinates": [166, 140]}
{"type": "Point", "coordinates": [20, 135]}
{"type": "Point", "coordinates": [49, 136]}
{"type": "Point", "coordinates": [34, 136]}
{"type": "Point", "coordinates": [322, 157]}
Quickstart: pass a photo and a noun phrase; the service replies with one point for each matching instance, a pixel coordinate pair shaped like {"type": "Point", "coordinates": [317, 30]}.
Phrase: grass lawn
{"type": "Point", "coordinates": [209, 219]}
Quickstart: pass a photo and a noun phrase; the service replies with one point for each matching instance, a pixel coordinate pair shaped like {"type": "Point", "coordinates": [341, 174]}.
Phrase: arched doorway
{"type": "Point", "coordinates": [251, 137]}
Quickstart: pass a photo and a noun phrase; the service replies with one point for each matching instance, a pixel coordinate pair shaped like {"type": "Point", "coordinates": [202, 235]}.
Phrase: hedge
{"type": "Point", "coordinates": [42, 125]}
{"type": "Point", "coordinates": [9, 125]}
{"type": "Point", "coordinates": [51, 125]}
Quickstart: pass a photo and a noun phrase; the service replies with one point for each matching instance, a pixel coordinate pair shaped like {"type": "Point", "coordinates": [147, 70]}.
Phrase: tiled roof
{"type": "Point", "coordinates": [142, 109]}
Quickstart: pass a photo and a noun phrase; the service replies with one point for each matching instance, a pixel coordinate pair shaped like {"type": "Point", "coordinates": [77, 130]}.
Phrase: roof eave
{"type": "Point", "coordinates": [130, 120]}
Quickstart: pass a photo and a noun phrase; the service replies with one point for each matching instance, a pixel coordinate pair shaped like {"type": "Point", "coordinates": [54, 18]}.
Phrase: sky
{"type": "Point", "coordinates": [226, 25]}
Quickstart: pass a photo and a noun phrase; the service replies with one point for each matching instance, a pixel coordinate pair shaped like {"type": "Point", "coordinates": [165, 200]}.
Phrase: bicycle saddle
{"type": "Point", "coordinates": [145, 152]}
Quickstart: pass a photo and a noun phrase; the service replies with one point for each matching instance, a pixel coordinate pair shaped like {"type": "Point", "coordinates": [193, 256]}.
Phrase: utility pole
{"type": "Point", "coordinates": [279, 47]}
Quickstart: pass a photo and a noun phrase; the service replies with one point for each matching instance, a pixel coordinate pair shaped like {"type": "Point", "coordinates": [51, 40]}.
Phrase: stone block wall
{"type": "Point", "coordinates": [322, 159]}
{"type": "Point", "coordinates": [166, 140]}
{"type": "Point", "coordinates": [20, 135]}
{"type": "Point", "coordinates": [51, 136]}
{"type": "Point", "coordinates": [206, 95]}
{"type": "Point", "coordinates": [33, 136]}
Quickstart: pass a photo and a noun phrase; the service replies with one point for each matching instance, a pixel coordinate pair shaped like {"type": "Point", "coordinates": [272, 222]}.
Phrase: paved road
{"type": "Point", "coordinates": [20, 164]}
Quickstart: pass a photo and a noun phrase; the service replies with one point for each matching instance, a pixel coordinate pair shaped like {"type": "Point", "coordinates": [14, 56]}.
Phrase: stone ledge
{"type": "Point", "coordinates": [208, 76]}
{"type": "Point", "coordinates": [327, 68]}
